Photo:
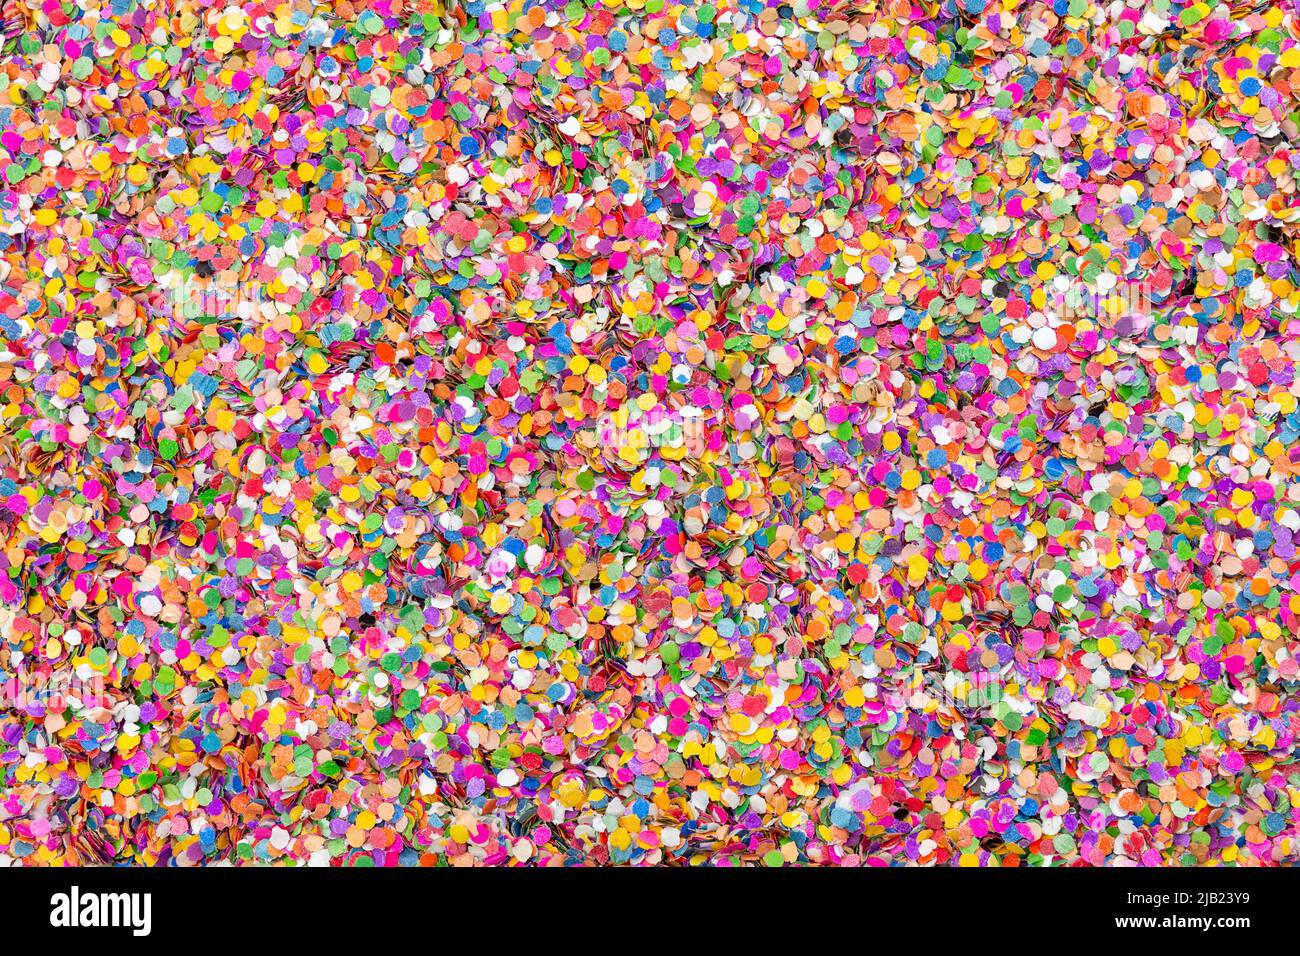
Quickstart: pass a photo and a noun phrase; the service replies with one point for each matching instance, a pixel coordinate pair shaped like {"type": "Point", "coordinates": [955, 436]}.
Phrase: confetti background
{"type": "Point", "coordinates": [849, 433]}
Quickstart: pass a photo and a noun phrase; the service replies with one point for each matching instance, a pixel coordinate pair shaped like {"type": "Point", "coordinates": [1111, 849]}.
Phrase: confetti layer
{"type": "Point", "coordinates": [566, 433]}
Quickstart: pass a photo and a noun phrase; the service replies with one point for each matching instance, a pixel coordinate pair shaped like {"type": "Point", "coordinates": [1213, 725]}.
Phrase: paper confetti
{"type": "Point", "coordinates": [632, 432]}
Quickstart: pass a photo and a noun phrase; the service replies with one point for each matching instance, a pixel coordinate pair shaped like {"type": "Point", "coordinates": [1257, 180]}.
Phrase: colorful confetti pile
{"type": "Point", "coordinates": [578, 433]}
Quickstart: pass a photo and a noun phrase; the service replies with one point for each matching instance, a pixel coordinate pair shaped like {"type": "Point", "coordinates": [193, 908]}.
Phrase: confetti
{"type": "Point", "coordinates": [633, 432]}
